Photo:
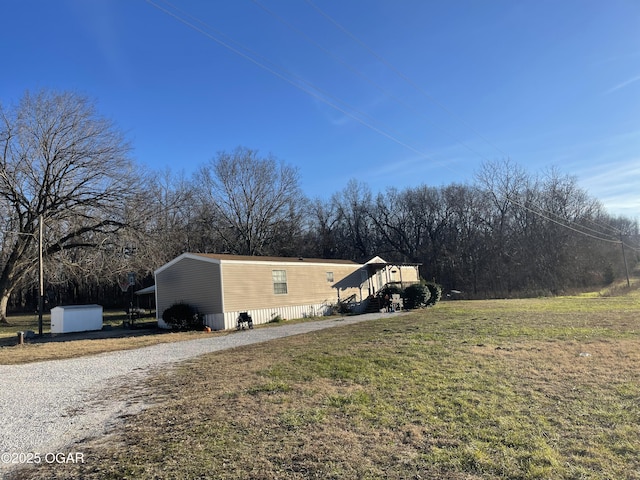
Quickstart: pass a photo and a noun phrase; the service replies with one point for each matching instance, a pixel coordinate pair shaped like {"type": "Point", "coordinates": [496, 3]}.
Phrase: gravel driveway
{"type": "Point", "coordinates": [48, 406]}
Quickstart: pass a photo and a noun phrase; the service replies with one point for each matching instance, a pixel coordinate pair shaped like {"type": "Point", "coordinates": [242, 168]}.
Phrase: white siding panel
{"type": "Point", "coordinates": [265, 315]}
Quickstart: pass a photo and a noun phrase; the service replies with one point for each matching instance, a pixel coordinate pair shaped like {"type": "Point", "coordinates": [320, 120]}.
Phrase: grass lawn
{"type": "Point", "coordinates": [71, 345]}
{"type": "Point", "coordinates": [500, 389]}
{"type": "Point", "coordinates": [24, 322]}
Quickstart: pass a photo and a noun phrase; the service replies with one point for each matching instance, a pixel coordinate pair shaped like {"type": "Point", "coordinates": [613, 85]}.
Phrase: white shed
{"type": "Point", "coordinates": [76, 318]}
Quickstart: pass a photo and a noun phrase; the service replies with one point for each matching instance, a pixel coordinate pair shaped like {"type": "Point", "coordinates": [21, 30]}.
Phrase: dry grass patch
{"type": "Point", "coordinates": [468, 390]}
{"type": "Point", "coordinates": [37, 352]}
{"type": "Point", "coordinates": [78, 344]}
{"type": "Point", "coordinates": [74, 345]}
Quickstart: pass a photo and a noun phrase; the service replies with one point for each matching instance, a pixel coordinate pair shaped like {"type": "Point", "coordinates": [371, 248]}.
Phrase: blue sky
{"type": "Point", "coordinates": [425, 90]}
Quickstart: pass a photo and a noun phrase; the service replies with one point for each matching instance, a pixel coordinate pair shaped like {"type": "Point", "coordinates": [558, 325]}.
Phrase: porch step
{"type": "Point", "coordinates": [374, 305]}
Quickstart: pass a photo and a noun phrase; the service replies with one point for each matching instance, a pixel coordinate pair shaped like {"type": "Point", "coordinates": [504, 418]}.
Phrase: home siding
{"type": "Point", "coordinates": [249, 286]}
{"type": "Point", "coordinates": [191, 281]}
{"type": "Point", "coordinates": [408, 274]}
{"type": "Point", "coordinates": [220, 286]}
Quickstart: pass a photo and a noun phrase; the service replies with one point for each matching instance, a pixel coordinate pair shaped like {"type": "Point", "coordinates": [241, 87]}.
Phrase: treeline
{"type": "Point", "coordinates": [508, 233]}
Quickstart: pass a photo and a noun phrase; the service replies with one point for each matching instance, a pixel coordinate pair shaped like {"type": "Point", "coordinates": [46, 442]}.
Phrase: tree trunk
{"type": "Point", "coordinates": [4, 301]}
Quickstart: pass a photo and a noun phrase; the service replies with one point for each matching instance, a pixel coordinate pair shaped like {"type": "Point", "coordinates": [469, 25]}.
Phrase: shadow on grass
{"type": "Point", "coordinates": [139, 329]}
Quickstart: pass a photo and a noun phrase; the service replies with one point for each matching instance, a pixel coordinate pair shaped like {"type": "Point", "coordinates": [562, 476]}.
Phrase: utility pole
{"type": "Point", "coordinates": [624, 257]}
{"type": "Point", "coordinates": [40, 267]}
{"type": "Point", "coordinates": [40, 276]}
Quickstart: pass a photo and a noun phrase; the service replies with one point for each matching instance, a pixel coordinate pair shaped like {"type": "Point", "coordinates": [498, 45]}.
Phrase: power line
{"type": "Point", "coordinates": [403, 76]}
{"type": "Point", "coordinates": [433, 100]}
{"type": "Point", "coordinates": [566, 225]}
{"type": "Point", "coordinates": [287, 76]}
{"type": "Point", "coordinates": [333, 101]}
{"type": "Point", "coordinates": [361, 74]}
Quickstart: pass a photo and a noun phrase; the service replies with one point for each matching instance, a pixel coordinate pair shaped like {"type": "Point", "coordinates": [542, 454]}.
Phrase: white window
{"type": "Point", "coordinates": [279, 281]}
{"type": "Point", "coordinates": [330, 277]}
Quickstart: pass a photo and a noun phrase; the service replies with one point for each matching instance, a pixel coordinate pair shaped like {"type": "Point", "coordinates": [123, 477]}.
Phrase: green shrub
{"type": "Point", "coordinates": [416, 296]}
{"type": "Point", "coordinates": [181, 316]}
{"type": "Point", "coordinates": [390, 290]}
{"type": "Point", "coordinates": [343, 308]}
{"type": "Point", "coordinates": [608, 276]}
{"type": "Point", "coordinates": [435, 292]}
{"type": "Point", "coordinates": [276, 318]}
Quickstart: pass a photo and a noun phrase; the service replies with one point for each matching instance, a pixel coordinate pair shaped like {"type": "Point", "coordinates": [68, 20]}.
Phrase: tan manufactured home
{"type": "Point", "coordinates": [221, 286]}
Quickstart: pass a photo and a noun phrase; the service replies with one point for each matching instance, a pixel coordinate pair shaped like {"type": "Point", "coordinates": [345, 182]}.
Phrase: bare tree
{"type": "Point", "coordinates": [254, 203]}
{"type": "Point", "coordinates": [320, 234]}
{"type": "Point", "coordinates": [503, 183]}
{"type": "Point", "coordinates": [171, 227]}
{"type": "Point", "coordinates": [355, 232]}
{"type": "Point", "coordinates": [62, 163]}
{"type": "Point", "coordinates": [407, 219]}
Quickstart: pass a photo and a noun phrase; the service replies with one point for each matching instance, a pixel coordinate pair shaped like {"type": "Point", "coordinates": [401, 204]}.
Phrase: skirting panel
{"type": "Point", "coordinates": [228, 320]}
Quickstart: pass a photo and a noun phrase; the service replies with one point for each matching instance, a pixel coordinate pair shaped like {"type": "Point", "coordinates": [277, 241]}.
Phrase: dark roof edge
{"type": "Point", "coordinates": [259, 258]}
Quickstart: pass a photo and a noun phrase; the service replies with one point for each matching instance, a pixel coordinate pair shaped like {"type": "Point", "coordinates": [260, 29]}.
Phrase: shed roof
{"type": "Point", "coordinates": [77, 307]}
{"type": "Point", "coordinates": [146, 291]}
